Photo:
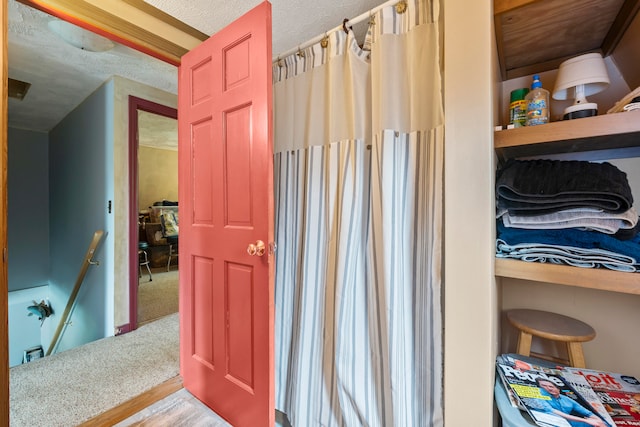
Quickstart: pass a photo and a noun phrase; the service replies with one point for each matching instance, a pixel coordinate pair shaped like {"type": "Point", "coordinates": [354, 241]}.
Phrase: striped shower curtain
{"type": "Point", "coordinates": [358, 194]}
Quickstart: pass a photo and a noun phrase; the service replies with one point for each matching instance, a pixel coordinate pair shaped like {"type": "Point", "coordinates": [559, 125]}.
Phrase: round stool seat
{"type": "Point", "coordinates": [551, 326]}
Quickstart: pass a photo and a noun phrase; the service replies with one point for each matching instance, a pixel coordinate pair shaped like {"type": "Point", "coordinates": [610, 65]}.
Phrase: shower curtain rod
{"type": "Point", "coordinates": [352, 21]}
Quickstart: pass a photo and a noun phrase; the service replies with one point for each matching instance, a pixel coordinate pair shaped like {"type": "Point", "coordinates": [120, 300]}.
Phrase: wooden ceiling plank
{"type": "Point", "coordinates": [594, 26]}
{"type": "Point", "coordinates": [625, 16]}
{"type": "Point", "coordinates": [543, 66]}
{"type": "Point", "coordinates": [501, 6]}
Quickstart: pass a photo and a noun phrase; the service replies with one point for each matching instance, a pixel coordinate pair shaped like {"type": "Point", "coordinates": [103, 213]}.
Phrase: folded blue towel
{"type": "Point", "coordinates": [570, 237]}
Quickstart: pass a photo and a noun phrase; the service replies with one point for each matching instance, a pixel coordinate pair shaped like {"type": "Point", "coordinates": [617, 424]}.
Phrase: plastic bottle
{"type": "Point", "coordinates": [537, 103]}
{"type": "Point", "coordinates": [518, 107]}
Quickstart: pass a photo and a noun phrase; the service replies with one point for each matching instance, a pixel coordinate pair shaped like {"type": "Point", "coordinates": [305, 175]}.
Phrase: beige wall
{"type": "Point", "coordinates": [122, 89]}
{"type": "Point", "coordinates": [469, 285]}
{"type": "Point", "coordinates": [157, 176]}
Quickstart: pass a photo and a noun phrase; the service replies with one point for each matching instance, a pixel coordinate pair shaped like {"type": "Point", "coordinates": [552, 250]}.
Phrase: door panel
{"type": "Point", "coordinates": [226, 186]}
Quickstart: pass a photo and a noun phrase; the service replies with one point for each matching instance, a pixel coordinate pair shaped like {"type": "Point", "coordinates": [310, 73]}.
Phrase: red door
{"type": "Point", "coordinates": [226, 208]}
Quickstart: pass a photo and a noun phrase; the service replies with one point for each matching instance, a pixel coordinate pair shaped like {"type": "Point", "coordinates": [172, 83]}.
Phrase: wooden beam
{"type": "Point", "coordinates": [146, 29]}
{"type": "Point", "coordinates": [627, 13]}
{"type": "Point", "coordinates": [4, 300]}
{"type": "Point", "coordinates": [165, 17]}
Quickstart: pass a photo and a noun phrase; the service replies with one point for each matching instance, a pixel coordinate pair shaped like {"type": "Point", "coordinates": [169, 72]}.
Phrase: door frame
{"type": "Point", "coordinates": [152, 32]}
{"type": "Point", "coordinates": [137, 104]}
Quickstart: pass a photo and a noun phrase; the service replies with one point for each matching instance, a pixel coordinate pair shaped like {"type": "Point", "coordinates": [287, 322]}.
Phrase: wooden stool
{"type": "Point", "coordinates": [551, 326]}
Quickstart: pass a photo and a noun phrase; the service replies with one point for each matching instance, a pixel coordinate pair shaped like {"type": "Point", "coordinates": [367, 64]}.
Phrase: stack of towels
{"type": "Point", "coordinates": [567, 212]}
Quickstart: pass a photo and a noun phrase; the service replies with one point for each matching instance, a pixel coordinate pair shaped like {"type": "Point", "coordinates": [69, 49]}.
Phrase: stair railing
{"type": "Point", "coordinates": [87, 261]}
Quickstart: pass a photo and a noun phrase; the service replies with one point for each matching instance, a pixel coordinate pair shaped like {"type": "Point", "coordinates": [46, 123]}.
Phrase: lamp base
{"type": "Point", "coordinates": [578, 111]}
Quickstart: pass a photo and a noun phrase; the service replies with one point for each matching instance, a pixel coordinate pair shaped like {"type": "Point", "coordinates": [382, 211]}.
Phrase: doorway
{"type": "Point", "coordinates": [153, 195]}
{"type": "Point", "coordinates": [148, 41]}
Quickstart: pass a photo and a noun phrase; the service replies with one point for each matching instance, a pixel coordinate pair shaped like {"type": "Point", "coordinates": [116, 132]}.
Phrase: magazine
{"type": "Point", "coordinates": [551, 396]}
{"type": "Point", "coordinates": [522, 363]}
{"type": "Point", "coordinates": [578, 382]}
{"type": "Point", "coordinates": [620, 394]}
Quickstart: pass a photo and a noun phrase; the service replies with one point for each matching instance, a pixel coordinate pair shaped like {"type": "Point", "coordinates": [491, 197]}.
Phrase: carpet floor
{"type": "Point", "coordinates": [70, 387]}
{"type": "Point", "coordinates": [158, 297]}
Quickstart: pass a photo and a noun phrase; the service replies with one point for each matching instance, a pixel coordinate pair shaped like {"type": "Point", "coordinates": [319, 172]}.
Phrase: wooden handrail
{"type": "Point", "coordinates": [86, 262]}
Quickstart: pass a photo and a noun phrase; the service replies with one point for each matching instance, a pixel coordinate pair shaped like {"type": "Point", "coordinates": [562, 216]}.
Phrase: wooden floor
{"type": "Point", "coordinates": [164, 405]}
{"type": "Point", "coordinates": [177, 409]}
{"type": "Point", "coordinates": [168, 404]}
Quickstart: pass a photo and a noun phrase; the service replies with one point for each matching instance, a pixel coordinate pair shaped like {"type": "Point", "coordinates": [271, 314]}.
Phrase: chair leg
{"type": "Point", "coordinates": [169, 260]}
{"type": "Point", "coordinates": [145, 263]}
{"type": "Point", "coordinates": [576, 356]}
{"type": "Point", "coordinates": [149, 270]}
{"type": "Point", "coordinates": [524, 343]}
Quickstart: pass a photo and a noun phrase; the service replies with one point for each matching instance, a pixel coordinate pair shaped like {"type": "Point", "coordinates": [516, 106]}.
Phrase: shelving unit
{"type": "Point", "coordinates": [592, 278]}
{"type": "Point", "coordinates": [607, 136]}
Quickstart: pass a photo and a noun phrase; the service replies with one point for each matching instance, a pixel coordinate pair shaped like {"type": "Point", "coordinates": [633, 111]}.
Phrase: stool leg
{"type": "Point", "coordinates": [149, 270]}
{"type": "Point", "coordinates": [576, 356]}
{"type": "Point", "coordinates": [524, 343]}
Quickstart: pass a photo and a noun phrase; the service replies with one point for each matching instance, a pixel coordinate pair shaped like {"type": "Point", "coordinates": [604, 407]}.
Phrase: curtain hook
{"type": "Point", "coordinates": [279, 62]}
{"type": "Point", "coordinates": [300, 52]}
{"type": "Point", "coordinates": [401, 6]}
{"type": "Point", "coordinates": [344, 25]}
{"type": "Point", "coordinates": [325, 41]}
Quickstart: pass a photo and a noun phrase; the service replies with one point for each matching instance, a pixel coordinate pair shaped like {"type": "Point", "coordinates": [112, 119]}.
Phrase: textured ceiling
{"type": "Point", "coordinates": [62, 76]}
{"type": "Point", "coordinates": [294, 21]}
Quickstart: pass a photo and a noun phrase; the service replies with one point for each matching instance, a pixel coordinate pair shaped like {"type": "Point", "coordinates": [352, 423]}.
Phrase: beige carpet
{"type": "Point", "coordinates": [70, 387]}
{"type": "Point", "coordinates": [159, 297]}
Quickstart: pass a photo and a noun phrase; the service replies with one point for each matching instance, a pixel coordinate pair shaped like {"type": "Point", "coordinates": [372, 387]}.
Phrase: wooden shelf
{"type": "Point", "coordinates": [592, 278]}
{"type": "Point", "coordinates": [610, 136]}
{"type": "Point", "coordinates": [619, 132]}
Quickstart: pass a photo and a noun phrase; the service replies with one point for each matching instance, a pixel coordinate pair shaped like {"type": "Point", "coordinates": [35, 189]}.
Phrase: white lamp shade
{"type": "Point", "coordinates": [588, 70]}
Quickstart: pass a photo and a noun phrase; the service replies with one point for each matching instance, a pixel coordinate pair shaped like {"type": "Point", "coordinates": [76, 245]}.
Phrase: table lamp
{"type": "Point", "coordinates": [578, 78]}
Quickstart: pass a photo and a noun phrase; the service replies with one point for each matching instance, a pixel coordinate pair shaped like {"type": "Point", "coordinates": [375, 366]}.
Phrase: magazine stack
{"type": "Point", "coordinates": [556, 395]}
